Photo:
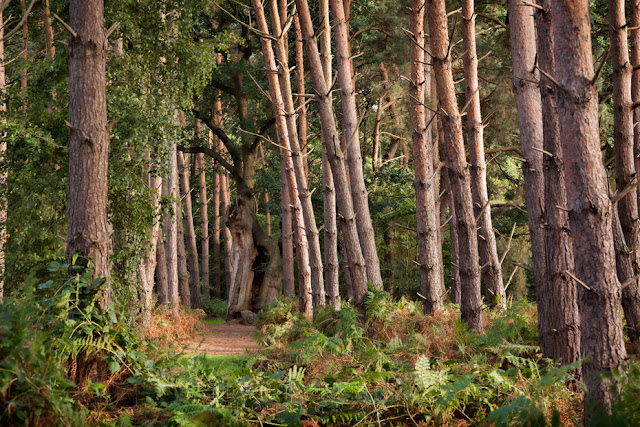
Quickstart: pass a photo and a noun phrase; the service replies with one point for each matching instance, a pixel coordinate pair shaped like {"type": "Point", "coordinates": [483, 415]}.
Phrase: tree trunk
{"type": "Point", "coordinates": [183, 272]}
{"type": "Point", "coordinates": [204, 222]}
{"type": "Point", "coordinates": [558, 317]}
{"type": "Point", "coordinates": [243, 253]}
{"type": "Point", "coordinates": [190, 234]}
{"type": "Point", "coordinates": [225, 202]}
{"type": "Point", "coordinates": [88, 231]}
{"type": "Point", "coordinates": [456, 289]}
{"type": "Point", "coordinates": [170, 191]}
{"type": "Point", "coordinates": [331, 140]}
{"type": "Point", "coordinates": [431, 280]}
{"type": "Point", "coordinates": [313, 236]}
{"type": "Point", "coordinates": [302, 106]}
{"type": "Point", "coordinates": [528, 104]}
{"type": "Point", "coordinates": [292, 170]}
{"type": "Point", "coordinates": [148, 264]}
{"type": "Point", "coordinates": [3, 150]}
{"type": "Point", "coordinates": [459, 180]}
{"type": "Point", "coordinates": [492, 271]}
{"type": "Point", "coordinates": [351, 135]}
{"type": "Point", "coordinates": [624, 160]}
{"type": "Point", "coordinates": [216, 201]}
{"type": "Point", "coordinates": [25, 55]}
{"type": "Point", "coordinates": [48, 30]}
{"type": "Point", "coordinates": [625, 272]}
{"type": "Point", "coordinates": [634, 44]}
{"type": "Point", "coordinates": [162, 277]}
{"type": "Point", "coordinates": [588, 202]}
{"type": "Point", "coordinates": [288, 274]}
{"type": "Point", "coordinates": [331, 264]}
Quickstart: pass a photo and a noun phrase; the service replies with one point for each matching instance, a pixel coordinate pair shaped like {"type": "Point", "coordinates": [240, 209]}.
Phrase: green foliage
{"type": "Point", "coordinates": [46, 336]}
{"type": "Point", "coordinates": [214, 307]}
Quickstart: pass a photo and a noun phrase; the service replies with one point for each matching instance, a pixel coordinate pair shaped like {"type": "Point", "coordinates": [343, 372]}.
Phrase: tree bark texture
{"type": "Point", "coordinates": [148, 263]}
{"type": "Point", "coordinates": [331, 142]}
{"type": "Point", "coordinates": [456, 289]}
{"type": "Point", "coordinates": [183, 271]}
{"type": "Point", "coordinates": [624, 159]}
{"type": "Point", "coordinates": [626, 274]}
{"type": "Point", "coordinates": [48, 30]}
{"type": "Point", "coordinates": [459, 179]}
{"type": "Point", "coordinates": [162, 278]}
{"type": "Point", "coordinates": [25, 55]}
{"type": "Point", "coordinates": [216, 253]}
{"type": "Point", "coordinates": [170, 191]}
{"type": "Point", "coordinates": [634, 45]}
{"type": "Point", "coordinates": [588, 202]}
{"type": "Point", "coordinates": [225, 202]}
{"type": "Point", "coordinates": [528, 104]}
{"type": "Point", "coordinates": [87, 230]}
{"type": "Point", "coordinates": [558, 316]}
{"type": "Point", "coordinates": [242, 254]}
{"type": "Point", "coordinates": [3, 150]}
{"type": "Point", "coordinates": [295, 153]}
{"type": "Point", "coordinates": [204, 223]}
{"type": "Point", "coordinates": [288, 270]}
{"type": "Point", "coordinates": [302, 105]}
{"type": "Point", "coordinates": [190, 233]}
{"type": "Point", "coordinates": [431, 280]}
{"type": "Point", "coordinates": [331, 264]}
{"type": "Point", "coordinates": [351, 135]}
{"type": "Point", "coordinates": [492, 270]}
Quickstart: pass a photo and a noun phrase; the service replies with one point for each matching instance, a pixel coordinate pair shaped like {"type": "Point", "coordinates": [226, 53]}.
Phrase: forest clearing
{"type": "Point", "coordinates": [319, 213]}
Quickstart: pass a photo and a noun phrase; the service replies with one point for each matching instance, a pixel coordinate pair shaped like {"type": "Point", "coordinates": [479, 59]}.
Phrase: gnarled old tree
{"type": "Point", "coordinates": [255, 261]}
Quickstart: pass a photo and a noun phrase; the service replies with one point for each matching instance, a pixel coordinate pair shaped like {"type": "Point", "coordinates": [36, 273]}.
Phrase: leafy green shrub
{"type": "Point", "coordinates": [214, 307]}
{"type": "Point", "coordinates": [34, 387]}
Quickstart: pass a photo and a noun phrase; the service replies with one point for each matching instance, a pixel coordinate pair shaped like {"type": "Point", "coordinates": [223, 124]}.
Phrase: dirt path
{"type": "Point", "coordinates": [226, 339]}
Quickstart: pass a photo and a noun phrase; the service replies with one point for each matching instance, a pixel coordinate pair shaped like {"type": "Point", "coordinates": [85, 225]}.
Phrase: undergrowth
{"type": "Point", "coordinates": [65, 362]}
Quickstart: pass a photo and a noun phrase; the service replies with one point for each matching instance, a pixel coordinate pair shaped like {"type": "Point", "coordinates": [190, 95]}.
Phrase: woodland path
{"type": "Point", "coordinates": [226, 339]}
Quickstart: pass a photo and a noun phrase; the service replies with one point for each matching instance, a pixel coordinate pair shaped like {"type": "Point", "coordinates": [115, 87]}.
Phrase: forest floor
{"type": "Point", "coordinates": [226, 339]}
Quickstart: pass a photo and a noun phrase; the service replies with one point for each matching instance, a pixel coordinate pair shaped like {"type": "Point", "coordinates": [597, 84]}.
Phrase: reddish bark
{"type": "Point", "coordinates": [588, 202]}
{"type": "Point", "coordinates": [431, 280]}
{"type": "Point", "coordinates": [88, 231]}
{"type": "Point", "coordinates": [459, 179]}
{"type": "Point", "coordinates": [492, 270]}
